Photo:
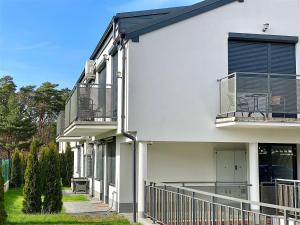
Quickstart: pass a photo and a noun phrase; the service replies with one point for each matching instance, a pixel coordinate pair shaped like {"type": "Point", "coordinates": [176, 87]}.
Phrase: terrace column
{"type": "Point", "coordinates": [254, 174]}
{"type": "Point", "coordinates": [142, 175]}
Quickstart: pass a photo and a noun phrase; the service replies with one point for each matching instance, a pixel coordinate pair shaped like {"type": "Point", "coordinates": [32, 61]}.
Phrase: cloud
{"type": "Point", "coordinates": [34, 46]}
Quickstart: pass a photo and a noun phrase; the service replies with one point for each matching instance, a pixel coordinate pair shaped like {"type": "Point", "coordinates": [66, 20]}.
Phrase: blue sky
{"type": "Point", "coordinates": [49, 40]}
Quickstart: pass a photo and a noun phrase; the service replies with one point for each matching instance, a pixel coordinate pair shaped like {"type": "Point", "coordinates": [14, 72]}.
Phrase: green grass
{"type": "Point", "coordinates": [13, 205]}
{"type": "Point", "coordinates": [75, 198]}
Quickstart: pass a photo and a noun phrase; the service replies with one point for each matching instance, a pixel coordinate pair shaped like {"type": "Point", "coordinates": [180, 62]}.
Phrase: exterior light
{"type": "Point", "coordinates": [266, 27]}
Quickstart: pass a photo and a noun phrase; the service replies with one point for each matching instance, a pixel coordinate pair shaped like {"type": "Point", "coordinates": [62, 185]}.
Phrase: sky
{"type": "Point", "coordinates": [50, 40]}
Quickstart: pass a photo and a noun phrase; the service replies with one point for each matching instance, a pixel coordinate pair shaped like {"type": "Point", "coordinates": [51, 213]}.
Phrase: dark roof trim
{"type": "Point", "coordinates": [189, 12]}
{"type": "Point", "coordinates": [263, 38]}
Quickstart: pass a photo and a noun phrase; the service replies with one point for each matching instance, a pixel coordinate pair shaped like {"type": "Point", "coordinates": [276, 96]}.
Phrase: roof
{"type": "Point", "coordinates": [134, 24]}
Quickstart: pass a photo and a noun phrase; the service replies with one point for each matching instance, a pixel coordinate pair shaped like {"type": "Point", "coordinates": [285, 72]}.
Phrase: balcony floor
{"type": "Point", "coordinates": [257, 122]}
{"type": "Point", "coordinates": [89, 128]}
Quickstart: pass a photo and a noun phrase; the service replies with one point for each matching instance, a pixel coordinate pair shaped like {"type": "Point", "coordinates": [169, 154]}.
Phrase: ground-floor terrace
{"type": "Point", "coordinates": [245, 171]}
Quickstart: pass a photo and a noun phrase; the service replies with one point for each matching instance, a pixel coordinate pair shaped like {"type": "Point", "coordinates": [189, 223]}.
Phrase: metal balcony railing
{"type": "Point", "coordinates": [60, 124]}
{"type": "Point", "coordinates": [259, 94]}
{"type": "Point", "coordinates": [170, 204]}
{"type": "Point", "coordinates": [288, 192]}
{"type": "Point", "coordinates": [90, 102]}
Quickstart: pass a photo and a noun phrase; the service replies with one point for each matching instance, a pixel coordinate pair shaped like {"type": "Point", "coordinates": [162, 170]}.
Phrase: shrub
{"type": "Point", "coordinates": [52, 188]}
{"type": "Point", "coordinates": [63, 174]}
{"type": "Point", "coordinates": [16, 170]}
{"type": "Point", "coordinates": [67, 163]}
{"type": "Point", "coordinates": [43, 166]}
{"type": "Point", "coordinates": [32, 192]}
{"type": "Point", "coordinates": [3, 214]}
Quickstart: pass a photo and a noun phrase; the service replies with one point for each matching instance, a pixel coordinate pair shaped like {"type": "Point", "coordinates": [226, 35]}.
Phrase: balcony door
{"type": "Point", "coordinates": [258, 59]}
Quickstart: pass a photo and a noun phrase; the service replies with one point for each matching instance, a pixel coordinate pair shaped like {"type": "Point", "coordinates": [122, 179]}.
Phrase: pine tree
{"type": "Point", "coordinates": [52, 188]}
{"type": "Point", "coordinates": [32, 192]}
{"type": "Point", "coordinates": [16, 179]}
{"type": "Point", "coordinates": [3, 214]}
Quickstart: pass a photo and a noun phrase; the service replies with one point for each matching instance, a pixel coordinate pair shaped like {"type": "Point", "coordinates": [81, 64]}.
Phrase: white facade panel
{"type": "Point", "coordinates": [173, 72]}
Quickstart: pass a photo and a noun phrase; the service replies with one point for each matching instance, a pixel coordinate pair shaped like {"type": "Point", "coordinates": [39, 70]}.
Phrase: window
{"type": "Point", "coordinates": [99, 163]}
{"type": "Point", "coordinates": [89, 165]}
{"type": "Point", "coordinates": [111, 162]}
{"type": "Point", "coordinates": [78, 160]}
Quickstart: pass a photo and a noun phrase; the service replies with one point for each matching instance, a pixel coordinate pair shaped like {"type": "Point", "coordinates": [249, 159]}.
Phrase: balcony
{"type": "Point", "coordinates": [259, 100]}
{"type": "Point", "coordinates": [88, 112]}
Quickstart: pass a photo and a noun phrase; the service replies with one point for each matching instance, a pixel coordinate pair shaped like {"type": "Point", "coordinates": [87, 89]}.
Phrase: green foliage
{"type": "Point", "coordinates": [52, 188]}
{"type": "Point", "coordinates": [32, 192]}
{"type": "Point", "coordinates": [24, 165]}
{"type": "Point", "coordinates": [3, 214]}
{"type": "Point", "coordinates": [67, 163]}
{"type": "Point", "coordinates": [43, 165]}
{"type": "Point", "coordinates": [16, 178]}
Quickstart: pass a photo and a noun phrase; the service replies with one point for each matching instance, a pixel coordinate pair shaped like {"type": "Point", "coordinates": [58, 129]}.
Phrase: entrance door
{"type": "Point", "coordinates": [276, 161]}
{"type": "Point", "coordinates": [231, 168]}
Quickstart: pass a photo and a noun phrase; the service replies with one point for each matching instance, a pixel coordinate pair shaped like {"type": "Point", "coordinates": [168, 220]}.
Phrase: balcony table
{"type": "Point", "coordinates": [256, 97]}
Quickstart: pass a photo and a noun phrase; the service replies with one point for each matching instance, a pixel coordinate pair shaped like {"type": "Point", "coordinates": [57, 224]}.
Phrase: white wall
{"type": "Point", "coordinates": [171, 161]}
{"type": "Point", "coordinates": [173, 72]}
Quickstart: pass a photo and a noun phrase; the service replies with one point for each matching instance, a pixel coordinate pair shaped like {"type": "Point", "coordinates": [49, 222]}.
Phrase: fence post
{"type": "Point", "coordinates": [154, 204]}
{"type": "Point", "coordinates": [242, 212]}
{"type": "Point", "coordinates": [212, 209]}
{"type": "Point", "coordinates": [145, 199]}
{"type": "Point", "coordinates": [178, 204]}
{"type": "Point", "coordinates": [285, 217]}
{"type": "Point", "coordinates": [193, 208]}
{"type": "Point", "coordinates": [165, 204]}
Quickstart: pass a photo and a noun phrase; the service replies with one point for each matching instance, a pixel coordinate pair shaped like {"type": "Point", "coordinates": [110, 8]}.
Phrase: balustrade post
{"type": "Point", "coordinates": [193, 208]}
{"type": "Point", "coordinates": [154, 203]}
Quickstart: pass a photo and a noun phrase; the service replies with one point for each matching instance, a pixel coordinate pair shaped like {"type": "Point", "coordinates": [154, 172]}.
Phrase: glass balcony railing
{"type": "Point", "coordinates": [88, 103]}
{"type": "Point", "coordinates": [60, 124]}
{"type": "Point", "coordinates": [260, 95]}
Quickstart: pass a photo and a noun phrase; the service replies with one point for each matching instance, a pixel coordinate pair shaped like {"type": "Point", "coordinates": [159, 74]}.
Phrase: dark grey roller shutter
{"type": "Point", "coordinates": [244, 56]}
{"type": "Point", "coordinates": [282, 58]}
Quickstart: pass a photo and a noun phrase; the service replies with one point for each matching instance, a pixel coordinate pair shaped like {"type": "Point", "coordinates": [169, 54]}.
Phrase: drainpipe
{"type": "Point", "coordinates": [126, 133]}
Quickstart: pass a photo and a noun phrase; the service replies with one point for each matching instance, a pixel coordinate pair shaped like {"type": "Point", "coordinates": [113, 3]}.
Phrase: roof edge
{"type": "Point", "coordinates": [192, 11]}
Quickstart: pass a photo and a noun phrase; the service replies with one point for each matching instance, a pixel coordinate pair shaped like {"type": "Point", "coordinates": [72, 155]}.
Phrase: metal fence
{"type": "Point", "coordinates": [174, 205]}
{"type": "Point", "coordinates": [269, 95]}
{"type": "Point", "coordinates": [89, 102]}
{"type": "Point", "coordinates": [288, 192]}
{"type": "Point", "coordinates": [4, 163]}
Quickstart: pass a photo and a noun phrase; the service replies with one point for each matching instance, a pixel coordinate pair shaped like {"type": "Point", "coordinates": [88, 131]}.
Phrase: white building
{"type": "Point", "coordinates": [208, 91]}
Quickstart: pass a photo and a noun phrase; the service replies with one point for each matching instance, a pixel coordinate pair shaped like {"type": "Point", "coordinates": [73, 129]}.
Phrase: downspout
{"type": "Point", "coordinates": [126, 133]}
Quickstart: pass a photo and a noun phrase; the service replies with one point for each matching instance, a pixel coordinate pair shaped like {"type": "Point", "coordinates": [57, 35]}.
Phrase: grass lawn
{"type": "Point", "coordinates": [75, 198]}
{"type": "Point", "coordinates": [13, 205]}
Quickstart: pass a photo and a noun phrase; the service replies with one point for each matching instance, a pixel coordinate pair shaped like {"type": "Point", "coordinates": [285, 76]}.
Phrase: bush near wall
{"type": "Point", "coordinates": [16, 179]}
{"type": "Point", "coordinates": [32, 188]}
{"type": "Point", "coordinates": [52, 188]}
{"type": "Point", "coordinates": [67, 165]}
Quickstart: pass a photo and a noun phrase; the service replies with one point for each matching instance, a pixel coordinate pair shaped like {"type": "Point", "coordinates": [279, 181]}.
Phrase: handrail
{"type": "Point", "coordinates": [249, 202]}
{"type": "Point", "coordinates": [251, 73]}
{"type": "Point", "coordinates": [287, 180]}
{"type": "Point", "coordinates": [215, 183]}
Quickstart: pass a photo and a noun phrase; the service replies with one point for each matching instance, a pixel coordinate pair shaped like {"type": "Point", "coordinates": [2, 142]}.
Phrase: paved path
{"type": "Point", "coordinates": [84, 207]}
